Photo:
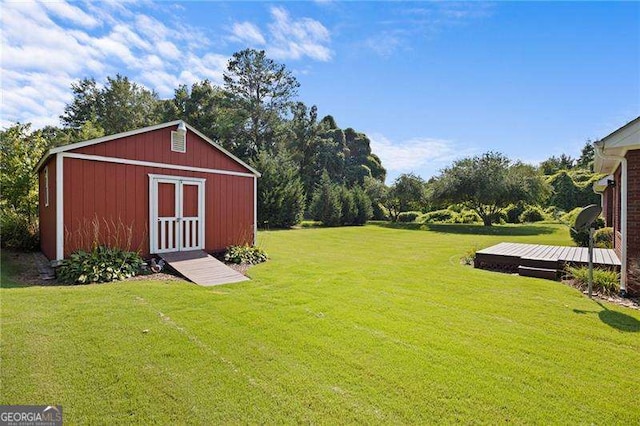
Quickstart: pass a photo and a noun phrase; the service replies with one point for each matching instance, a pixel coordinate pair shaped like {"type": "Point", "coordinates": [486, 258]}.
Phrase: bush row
{"type": "Point", "coordinates": [335, 205]}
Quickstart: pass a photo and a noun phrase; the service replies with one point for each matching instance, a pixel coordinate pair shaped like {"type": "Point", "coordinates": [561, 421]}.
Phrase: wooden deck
{"type": "Point", "coordinates": [202, 268]}
{"type": "Point", "coordinates": [540, 260]}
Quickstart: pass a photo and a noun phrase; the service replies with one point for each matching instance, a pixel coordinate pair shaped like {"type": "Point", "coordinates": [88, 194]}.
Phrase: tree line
{"type": "Point", "coordinates": [492, 188]}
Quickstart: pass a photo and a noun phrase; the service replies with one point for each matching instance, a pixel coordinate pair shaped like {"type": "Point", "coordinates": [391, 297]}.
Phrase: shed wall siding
{"type": "Point", "coordinates": [155, 146]}
{"type": "Point", "coordinates": [118, 194]}
{"type": "Point", "coordinates": [47, 214]}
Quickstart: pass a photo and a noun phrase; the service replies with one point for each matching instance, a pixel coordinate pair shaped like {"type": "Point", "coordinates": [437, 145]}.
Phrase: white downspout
{"type": "Point", "coordinates": [599, 148]}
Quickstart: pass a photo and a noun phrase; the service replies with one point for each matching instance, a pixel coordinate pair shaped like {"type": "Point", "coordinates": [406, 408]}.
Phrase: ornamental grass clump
{"type": "Point", "coordinates": [605, 281]}
{"type": "Point", "coordinates": [100, 265]}
{"type": "Point", "coordinates": [469, 256]}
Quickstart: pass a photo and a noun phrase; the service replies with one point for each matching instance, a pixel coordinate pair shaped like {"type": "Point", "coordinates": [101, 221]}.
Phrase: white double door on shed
{"type": "Point", "coordinates": [176, 213]}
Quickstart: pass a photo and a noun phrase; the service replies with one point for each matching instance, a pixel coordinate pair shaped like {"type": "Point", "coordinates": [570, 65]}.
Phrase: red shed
{"type": "Point", "coordinates": [158, 189]}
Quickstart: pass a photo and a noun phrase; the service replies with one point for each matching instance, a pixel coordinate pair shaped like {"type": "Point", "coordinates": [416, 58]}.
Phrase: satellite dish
{"type": "Point", "coordinates": [586, 217]}
{"type": "Point", "coordinates": [583, 221]}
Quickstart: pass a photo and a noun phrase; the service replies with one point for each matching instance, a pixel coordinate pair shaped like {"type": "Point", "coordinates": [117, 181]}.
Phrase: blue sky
{"type": "Point", "coordinates": [429, 82]}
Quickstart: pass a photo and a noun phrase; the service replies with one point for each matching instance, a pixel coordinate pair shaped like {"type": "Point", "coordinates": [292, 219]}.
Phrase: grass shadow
{"type": "Point", "coordinates": [472, 229]}
{"type": "Point", "coordinates": [614, 319]}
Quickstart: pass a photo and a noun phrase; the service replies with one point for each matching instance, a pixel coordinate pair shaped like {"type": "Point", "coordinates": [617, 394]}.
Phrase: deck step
{"type": "Point", "coordinates": [530, 271]}
{"type": "Point", "coordinates": [540, 262]}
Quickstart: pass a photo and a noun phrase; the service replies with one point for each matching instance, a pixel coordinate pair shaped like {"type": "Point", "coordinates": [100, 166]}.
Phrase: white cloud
{"type": "Point", "coordinates": [71, 13]}
{"type": "Point", "coordinates": [384, 44]}
{"type": "Point", "coordinates": [293, 39]}
{"type": "Point", "coordinates": [424, 20]}
{"type": "Point", "coordinates": [47, 46]}
{"type": "Point", "coordinates": [424, 156]}
{"type": "Point", "coordinates": [412, 154]}
{"type": "Point", "coordinates": [246, 32]}
{"type": "Point", "coordinates": [287, 37]}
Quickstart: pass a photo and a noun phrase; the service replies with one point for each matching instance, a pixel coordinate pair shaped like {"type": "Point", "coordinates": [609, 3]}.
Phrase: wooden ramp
{"type": "Point", "coordinates": [202, 268]}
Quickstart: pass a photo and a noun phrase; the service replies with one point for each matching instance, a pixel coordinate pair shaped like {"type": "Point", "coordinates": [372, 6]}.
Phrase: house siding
{"type": "Point", "coordinates": [47, 214]}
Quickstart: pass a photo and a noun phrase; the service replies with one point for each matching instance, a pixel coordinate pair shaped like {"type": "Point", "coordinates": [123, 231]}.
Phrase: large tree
{"type": "Point", "coordinates": [20, 151]}
{"type": "Point", "coordinates": [281, 200]}
{"type": "Point", "coordinates": [119, 106]}
{"type": "Point", "coordinates": [488, 183]}
{"type": "Point", "coordinates": [85, 105]}
{"type": "Point", "coordinates": [408, 193]}
{"type": "Point", "coordinates": [585, 161]}
{"type": "Point", "coordinates": [554, 164]}
{"type": "Point", "coordinates": [263, 90]}
{"type": "Point", "coordinates": [197, 105]}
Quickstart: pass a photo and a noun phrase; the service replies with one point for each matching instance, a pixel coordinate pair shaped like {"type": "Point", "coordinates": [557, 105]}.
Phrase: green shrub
{"type": "Point", "coordinates": [102, 264]}
{"type": "Point", "coordinates": [570, 217]}
{"type": "Point", "coordinates": [18, 232]}
{"type": "Point", "coordinates": [363, 206]}
{"type": "Point", "coordinates": [408, 216]}
{"type": "Point", "coordinates": [553, 212]}
{"type": "Point", "coordinates": [246, 254]}
{"type": "Point", "coordinates": [603, 238]}
{"type": "Point", "coordinates": [582, 238]}
{"type": "Point", "coordinates": [349, 210]}
{"type": "Point", "coordinates": [280, 193]}
{"type": "Point", "coordinates": [467, 216]}
{"type": "Point", "coordinates": [605, 281]}
{"type": "Point", "coordinates": [513, 211]}
{"type": "Point", "coordinates": [532, 214]}
{"type": "Point", "coordinates": [326, 206]}
{"type": "Point", "coordinates": [440, 216]}
{"type": "Point", "coordinates": [380, 212]}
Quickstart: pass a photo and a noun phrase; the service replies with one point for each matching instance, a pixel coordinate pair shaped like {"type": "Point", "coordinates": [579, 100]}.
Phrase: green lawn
{"type": "Point", "coordinates": [365, 324]}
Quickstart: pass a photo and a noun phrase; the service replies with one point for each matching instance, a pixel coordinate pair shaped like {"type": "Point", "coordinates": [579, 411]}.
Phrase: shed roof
{"type": "Point", "coordinates": [108, 138]}
{"type": "Point", "coordinates": [617, 143]}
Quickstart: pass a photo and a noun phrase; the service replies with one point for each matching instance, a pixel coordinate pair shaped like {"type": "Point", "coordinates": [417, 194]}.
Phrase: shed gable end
{"type": "Point", "coordinates": [157, 146]}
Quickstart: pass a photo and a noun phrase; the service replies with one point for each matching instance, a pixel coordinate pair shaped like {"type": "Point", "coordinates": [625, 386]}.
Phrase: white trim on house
{"type": "Point", "coordinates": [602, 184]}
{"type": "Point", "coordinates": [165, 243]}
{"type": "Point", "coordinates": [90, 142]}
{"type": "Point", "coordinates": [59, 208]}
{"type": "Point", "coordinates": [118, 160]}
{"type": "Point", "coordinates": [616, 145]}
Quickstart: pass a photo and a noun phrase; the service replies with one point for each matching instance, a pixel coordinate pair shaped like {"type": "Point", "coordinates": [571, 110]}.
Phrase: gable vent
{"type": "Point", "coordinates": [179, 141]}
